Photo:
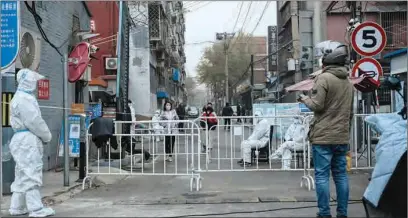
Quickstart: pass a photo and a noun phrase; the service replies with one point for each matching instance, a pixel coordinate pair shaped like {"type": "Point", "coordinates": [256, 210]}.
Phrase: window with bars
{"type": "Point", "coordinates": [395, 26]}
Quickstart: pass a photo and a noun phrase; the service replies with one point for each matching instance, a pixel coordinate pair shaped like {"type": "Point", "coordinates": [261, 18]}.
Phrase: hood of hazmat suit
{"type": "Point", "coordinates": [262, 128]}
{"type": "Point", "coordinates": [156, 119]}
{"type": "Point", "coordinates": [388, 152]}
{"type": "Point", "coordinates": [296, 131]}
{"type": "Point", "coordinates": [26, 146]}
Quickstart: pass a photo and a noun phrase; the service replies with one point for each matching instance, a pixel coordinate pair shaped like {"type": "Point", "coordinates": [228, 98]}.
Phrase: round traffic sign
{"type": "Point", "coordinates": [368, 67]}
{"type": "Point", "coordinates": [368, 39]}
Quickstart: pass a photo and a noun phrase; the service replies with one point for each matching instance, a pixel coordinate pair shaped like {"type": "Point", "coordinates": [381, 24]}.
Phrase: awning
{"type": "Point", "coordinates": [307, 85]}
{"type": "Point", "coordinates": [162, 94]}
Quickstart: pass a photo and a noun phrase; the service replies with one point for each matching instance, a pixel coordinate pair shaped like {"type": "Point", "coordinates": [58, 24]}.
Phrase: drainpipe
{"type": "Point", "coordinates": [119, 50]}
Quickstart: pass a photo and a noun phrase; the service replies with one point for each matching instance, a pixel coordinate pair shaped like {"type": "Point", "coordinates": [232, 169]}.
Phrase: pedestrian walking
{"type": "Point", "coordinates": [331, 101]}
{"type": "Point", "coordinates": [227, 112]}
{"type": "Point", "coordinates": [170, 117]}
{"type": "Point", "coordinates": [239, 113]}
{"type": "Point", "coordinates": [208, 122]}
{"type": "Point", "coordinates": [181, 112]}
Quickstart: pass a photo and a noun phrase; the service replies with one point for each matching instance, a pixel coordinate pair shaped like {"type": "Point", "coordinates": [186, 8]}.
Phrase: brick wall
{"type": "Point", "coordinates": [57, 22]}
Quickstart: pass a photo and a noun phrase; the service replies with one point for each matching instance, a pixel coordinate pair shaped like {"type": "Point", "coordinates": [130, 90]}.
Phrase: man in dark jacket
{"type": "Point", "coordinates": [239, 113]}
{"type": "Point", "coordinates": [181, 112]}
{"type": "Point", "coordinates": [331, 100]}
{"type": "Point", "coordinates": [227, 112]}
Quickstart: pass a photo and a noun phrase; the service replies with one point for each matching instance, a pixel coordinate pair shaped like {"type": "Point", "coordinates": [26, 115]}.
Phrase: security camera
{"type": "Point", "coordinates": [353, 23]}
{"type": "Point", "coordinates": [93, 49]}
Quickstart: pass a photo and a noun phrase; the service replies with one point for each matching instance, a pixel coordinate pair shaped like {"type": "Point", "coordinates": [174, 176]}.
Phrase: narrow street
{"type": "Point", "coordinates": [102, 89]}
{"type": "Point", "coordinates": [222, 192]}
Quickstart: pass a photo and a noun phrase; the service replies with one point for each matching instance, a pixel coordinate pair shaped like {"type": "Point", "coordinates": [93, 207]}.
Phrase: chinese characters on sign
{"type": "Point", "coordinates": [9, 32]}
{"type": "Point", "coordinates": [44, 89]}
{"type": "Point", "coordinates": [272, 49]}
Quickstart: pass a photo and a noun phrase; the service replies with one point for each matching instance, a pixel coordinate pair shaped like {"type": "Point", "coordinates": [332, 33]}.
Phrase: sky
{"type": "Point", "coordinates": [206, 18]}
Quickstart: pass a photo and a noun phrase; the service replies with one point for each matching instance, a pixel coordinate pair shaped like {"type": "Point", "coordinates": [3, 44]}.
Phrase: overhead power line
{"type": "Point", "coordinates": [260, 19]}
{"type": "Point", "coordinates": [239, 13]}
{"type": "Point", "coordinates": [242, 27]}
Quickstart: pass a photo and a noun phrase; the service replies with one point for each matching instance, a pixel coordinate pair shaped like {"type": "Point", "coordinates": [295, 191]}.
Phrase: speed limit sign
{"type": "Point", "coordinates": [368, 39]}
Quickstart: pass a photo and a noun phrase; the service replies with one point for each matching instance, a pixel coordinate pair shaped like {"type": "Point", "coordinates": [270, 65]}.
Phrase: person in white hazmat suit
{"type": "Point", "coordinates": [26, 147]}
{"type": "Point", "coordinates": [133, 114]}
{"type": "Point", "coordinates": [293, 142]}
{"type": "Point", "coordinates": [258, 139]}
{"type": "Point", "coordinates": [156, 125]}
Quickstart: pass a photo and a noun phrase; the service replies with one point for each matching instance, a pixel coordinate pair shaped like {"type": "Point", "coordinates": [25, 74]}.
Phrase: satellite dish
{"type": "Point", "coordinates": [27, 50]}
{"type": "Point", "coordinates": [78, 61]}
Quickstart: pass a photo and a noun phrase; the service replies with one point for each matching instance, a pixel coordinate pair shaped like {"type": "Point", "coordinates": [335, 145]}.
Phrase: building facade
{"type": "Point", "coordinates": [295, 30]}
{"type": "Point", "coordinates": [157, 55]}
{"type": "Point", "coordinates": [69, 17]}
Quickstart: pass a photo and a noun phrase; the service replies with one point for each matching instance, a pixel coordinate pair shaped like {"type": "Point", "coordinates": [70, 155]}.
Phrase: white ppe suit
{"type": "Point", "coordinates": [133, 114]}
{"type": "Point", "coordinates": [26, 147]}
{"type": "Point", "coordinates": [294, 140]}
{"type": "Point", "coordinates": [157, 128]}
{"type": "Point", "coordinates": [258, 139]}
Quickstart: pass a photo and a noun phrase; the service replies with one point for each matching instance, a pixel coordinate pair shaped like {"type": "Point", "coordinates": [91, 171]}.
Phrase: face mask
{"type": "Point", "coordinates": [168, 108]}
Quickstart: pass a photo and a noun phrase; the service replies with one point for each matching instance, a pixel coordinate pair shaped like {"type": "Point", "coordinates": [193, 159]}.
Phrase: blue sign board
{"type": "Point", "coordinates": [304, 108]}
{"type": "Point", "coordinates": [74, 131]}
{"type": "Point", "coordinates": [10, 15]}
{"type": "Point", "coordinates": [95, 110]}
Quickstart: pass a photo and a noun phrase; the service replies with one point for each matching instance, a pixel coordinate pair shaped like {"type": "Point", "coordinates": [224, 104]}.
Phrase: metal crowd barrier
{"type": "Point", "coordinates": [199, 150]}
{"type": "Point", "coordinates": [147, 141]}
{"type": "Point", "coordinates": [223, 148]}
{"type": "Point", "coordinates": [361, 139]}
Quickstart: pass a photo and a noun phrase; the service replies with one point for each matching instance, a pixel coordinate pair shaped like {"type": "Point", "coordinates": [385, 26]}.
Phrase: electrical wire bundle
{"type": "Point", "coordinates": [38, 22]}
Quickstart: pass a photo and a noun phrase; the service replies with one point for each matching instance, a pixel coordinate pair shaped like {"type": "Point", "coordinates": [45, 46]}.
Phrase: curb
{"type": "Point", "coordinates": [62, 196]}
{"type": "Point", "coordinates": [222, 200]}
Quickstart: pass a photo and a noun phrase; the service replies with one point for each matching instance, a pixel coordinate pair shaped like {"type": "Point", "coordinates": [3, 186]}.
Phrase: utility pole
{"type": "Point", "coordinates": [296, 39]}
{"type": "Point", "coordinates": [225, 36]}
{"type": "Point", "coordinates": [317, 29]}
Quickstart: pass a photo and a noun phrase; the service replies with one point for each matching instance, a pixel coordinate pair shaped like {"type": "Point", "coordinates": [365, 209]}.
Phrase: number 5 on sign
{"type": "Point", "coordinates": [368, 39]}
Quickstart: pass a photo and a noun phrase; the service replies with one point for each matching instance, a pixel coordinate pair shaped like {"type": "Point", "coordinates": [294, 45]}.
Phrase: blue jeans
{"type": "Point", "coordinates": [326, 158]}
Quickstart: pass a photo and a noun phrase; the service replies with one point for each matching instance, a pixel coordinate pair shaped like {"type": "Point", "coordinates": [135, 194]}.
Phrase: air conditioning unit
{"type": "Point", "coordinates": [30, 49]}
{"type": "Point", "coordinates": [87, 76]}
{"type": "Point", "coordinates": [111, 63]}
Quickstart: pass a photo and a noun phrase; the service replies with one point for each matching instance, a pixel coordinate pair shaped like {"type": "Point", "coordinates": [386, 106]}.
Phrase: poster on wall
{"type": "Point", "coordinates": [286, 109]}
{"type": "Point", "coordinates": [74, 125]}
{"type": "Point", "coordinates": [266, 109]}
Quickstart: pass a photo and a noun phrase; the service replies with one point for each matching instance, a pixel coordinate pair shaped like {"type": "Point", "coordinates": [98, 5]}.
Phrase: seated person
{"type": "Point", "coordinates": [258, 139]}
{"type": "Point", "coordinates": [157, 128]}
{"type": "Point", "coordinates": [293, 142]}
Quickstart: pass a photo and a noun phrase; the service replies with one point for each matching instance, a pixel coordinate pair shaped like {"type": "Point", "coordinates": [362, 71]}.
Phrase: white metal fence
{"type": "Point", "coordinates": [147, 155]}
{"type": "Point", "coordinates": [198, 150]}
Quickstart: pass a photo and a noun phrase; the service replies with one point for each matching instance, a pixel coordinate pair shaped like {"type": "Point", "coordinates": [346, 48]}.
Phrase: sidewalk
{"type": "Point", "coordinates": [54, 191]}
{"type": "Point", "coordinates": [53, 186]}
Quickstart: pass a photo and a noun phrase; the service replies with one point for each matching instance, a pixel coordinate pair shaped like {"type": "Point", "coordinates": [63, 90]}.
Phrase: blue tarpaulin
{"type": "Point", "coordinates": [176, 74]}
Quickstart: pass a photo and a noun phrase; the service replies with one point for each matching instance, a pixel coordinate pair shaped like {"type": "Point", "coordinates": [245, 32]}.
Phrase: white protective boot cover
{"type": "Point", "coordinates": [286, 159]}
{"type": "Point", "coordinates": [35, 206]}
{"type": "Point", "coordinates": [18, 204]}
